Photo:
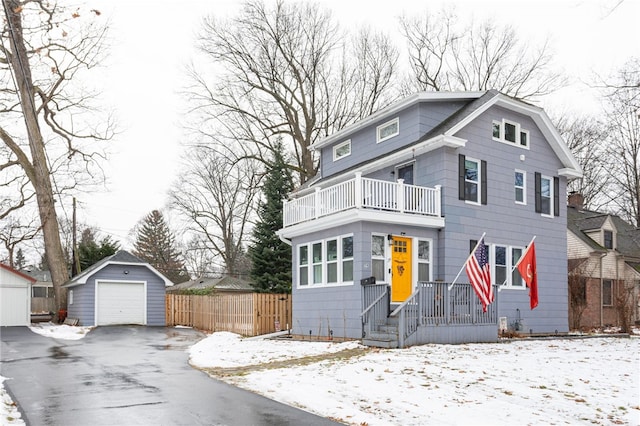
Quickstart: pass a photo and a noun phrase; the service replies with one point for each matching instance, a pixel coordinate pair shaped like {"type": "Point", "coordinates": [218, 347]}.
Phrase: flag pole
{"type": "Point", "coordinates": [466, 260]}
{"type": "Point", "coordinates": [513, 268]}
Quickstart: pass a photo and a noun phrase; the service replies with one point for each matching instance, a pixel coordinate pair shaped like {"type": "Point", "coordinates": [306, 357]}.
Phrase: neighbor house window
{"type": "Point", "coordinates": [607, 292]}
{"type": "Point", "coordinates": [520, 187]}
{"type": "Point", "coordinates": [326, 262]}
{"type": "Point", "coordinates": [378, 257]}
{"type": "Point", "coordinates": [510, 132]}
{"type": "Point", "coordinates": [70, 301]}
{"type": "Point", "coordinates": [424, 260]}
{"type": "Point", "coordinates": [388, 130]}
{"type": "Point", "coordinates": [472, 180]}
{"type": "Point", "coordinates": [547, 195]}
{"type": "Point", "coordinates": [608, 239]}
{"type": "Point", "coordinates": [342, 150]}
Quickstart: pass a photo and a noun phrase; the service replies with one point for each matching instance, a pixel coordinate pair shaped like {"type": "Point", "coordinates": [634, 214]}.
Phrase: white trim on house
{"type": "Point", "coordinates": [84, 276]}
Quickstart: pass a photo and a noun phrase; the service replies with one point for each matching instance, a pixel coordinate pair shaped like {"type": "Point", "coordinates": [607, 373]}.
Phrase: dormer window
{"type": "Point", "coordinates": [388, 130]}
{"type": "Point", "coordinates": [510, 132]}
{"type": "Point", "coordinates": [608, 240]}
{"type": "Point", "coordinates": [342, 150]}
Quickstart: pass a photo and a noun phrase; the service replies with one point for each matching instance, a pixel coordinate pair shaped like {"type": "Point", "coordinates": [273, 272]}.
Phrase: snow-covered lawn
{"type": "Point", "coordinates": [523, 382]}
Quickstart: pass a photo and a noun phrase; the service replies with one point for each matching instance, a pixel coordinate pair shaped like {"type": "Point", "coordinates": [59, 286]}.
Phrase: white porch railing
{"type": "Point", "coordinates": [365, 193]}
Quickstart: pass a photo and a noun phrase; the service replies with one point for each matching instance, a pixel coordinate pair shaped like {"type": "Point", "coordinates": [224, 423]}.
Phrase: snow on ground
{"type": "Point", "coordinates": [524, 382]}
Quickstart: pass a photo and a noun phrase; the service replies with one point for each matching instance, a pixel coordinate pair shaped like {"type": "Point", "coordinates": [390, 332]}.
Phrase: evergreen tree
{"type": "Point", "coordinates": [271, 257]}
{"type": "Point", "coordinates": [90, 252]}
{"type": "Point", "coordinates": [20, 260]}
{"type": "Point", "coordinates": [155, 244]}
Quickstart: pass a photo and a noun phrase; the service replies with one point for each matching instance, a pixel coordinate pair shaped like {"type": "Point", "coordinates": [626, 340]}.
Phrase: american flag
{"type": "Point", "coordinates": [479, 273]}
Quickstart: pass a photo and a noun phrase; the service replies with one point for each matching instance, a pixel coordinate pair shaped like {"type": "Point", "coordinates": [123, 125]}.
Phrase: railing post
{"type": "Point", "coordinates": [400, 195]}
{"type": "Point", "coordinates": [438, 201]}
{"type": "Point", "coordinates": [316, 203]}
{"type": "Point", "coordinates": [401, 329]}
{"type": "Point", "coordinates": [358, 190]}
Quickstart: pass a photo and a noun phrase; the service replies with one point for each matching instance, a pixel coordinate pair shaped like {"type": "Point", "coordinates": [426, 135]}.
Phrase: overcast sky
{"type": "Point", "coordinates": [153, 41]}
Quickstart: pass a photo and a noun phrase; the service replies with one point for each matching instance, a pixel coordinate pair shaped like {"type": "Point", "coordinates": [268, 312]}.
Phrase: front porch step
{"type": "Point", "coordinates": [386, 336]}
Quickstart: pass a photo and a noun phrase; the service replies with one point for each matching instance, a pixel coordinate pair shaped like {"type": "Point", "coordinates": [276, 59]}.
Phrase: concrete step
{"type": "Point", "coordinates": [376, 343]}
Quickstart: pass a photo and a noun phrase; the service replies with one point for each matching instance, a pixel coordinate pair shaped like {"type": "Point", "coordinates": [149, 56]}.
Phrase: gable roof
{"type": "Point", "coordinates": [18, 273]}
{"type": "Point", "coordinates": [122, 257]}
{"type": "Point", "coordinates": [444, 133]}
{"type": "Point", "coordinates": [579, 222]}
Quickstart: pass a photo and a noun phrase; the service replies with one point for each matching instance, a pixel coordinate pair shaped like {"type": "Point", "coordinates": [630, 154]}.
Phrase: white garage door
{"type": "Point", "coordinates": [120, 303]}
{"type": "Point", "coordinates": [14, 306]}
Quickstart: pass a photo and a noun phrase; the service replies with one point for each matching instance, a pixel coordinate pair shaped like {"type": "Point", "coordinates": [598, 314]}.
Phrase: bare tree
{"type": "Point", "coordinates": [286, 73]}
{"type": "Point", "coordinates": [446, 56]}
{"type": "Point", "coordinates": [17, 231]}
{"type": "Point", "coordinates": [218, 198]}
{"type": "Point", "coordinates": [585, 137]}
{"type": "Point", "coordinates": [44, 49]}
{"type": "Point", "coordinates": [623, 145]}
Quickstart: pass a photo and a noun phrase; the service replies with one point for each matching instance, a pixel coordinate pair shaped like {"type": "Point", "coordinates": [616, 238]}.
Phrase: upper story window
{"type": "Point", "coordinates": [547, 195]}
{"type": "Point", "coordinates": [405, 172]}
{"type": "Point", "coordinates": [511, 133]}
{"type": "Point", "coordinates": [388, 130]}
{"type": "Point", "coordinates": [472, 180]}
{"type": "Point", "coordinates": [342, 150]}
{"type": "Point", "coordinates": [608, 239]}
{"type": "Point", "coordinates": [520, 186]}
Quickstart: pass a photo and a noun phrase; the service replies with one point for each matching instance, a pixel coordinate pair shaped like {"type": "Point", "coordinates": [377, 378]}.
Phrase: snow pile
{"type": "Point", "coordinates": [62, 331]}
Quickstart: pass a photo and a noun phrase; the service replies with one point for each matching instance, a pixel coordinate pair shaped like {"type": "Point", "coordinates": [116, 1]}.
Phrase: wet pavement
{"type": "Point", "coordinates": [127, 375]}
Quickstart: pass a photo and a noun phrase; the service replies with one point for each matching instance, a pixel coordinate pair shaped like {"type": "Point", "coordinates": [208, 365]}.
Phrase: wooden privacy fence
{"type": "Point", "coordinates": [248, 314]}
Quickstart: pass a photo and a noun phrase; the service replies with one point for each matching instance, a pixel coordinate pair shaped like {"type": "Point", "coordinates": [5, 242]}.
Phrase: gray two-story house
{"type": "Point", "coordinates": [400, 200]}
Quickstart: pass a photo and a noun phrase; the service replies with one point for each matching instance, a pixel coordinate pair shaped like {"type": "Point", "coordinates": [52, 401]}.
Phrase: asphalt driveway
{"type": "Point", "coordinates": [127, 375]}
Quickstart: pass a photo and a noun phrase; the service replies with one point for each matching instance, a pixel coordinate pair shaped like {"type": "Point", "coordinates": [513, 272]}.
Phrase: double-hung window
{"type": "Point", "coordinates": [472, 180]}
{"type": "Point", "coordinates": [520, 186]}
{"type": "Point", "coordinates": [547, 195]}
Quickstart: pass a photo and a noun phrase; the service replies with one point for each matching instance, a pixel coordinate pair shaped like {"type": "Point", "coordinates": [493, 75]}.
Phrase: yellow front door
{"type": "Point", "coordinates": [400, 269]}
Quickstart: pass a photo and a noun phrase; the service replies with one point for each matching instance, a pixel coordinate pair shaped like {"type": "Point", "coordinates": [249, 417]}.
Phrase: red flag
{"type": "Point", "coordinates": [527, 267]}
{"type": "Point", "coordinates": [479, 274]}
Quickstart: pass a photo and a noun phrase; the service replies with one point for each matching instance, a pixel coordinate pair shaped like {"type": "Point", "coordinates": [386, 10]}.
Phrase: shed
{"type": "Point", "coordinates": [15, 297]}
{"type": "Point", "coordinates": [120, 289]}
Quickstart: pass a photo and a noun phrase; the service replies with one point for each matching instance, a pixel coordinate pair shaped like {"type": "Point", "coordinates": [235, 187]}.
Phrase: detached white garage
{"type": "Point", "coordinates": [15, 297]}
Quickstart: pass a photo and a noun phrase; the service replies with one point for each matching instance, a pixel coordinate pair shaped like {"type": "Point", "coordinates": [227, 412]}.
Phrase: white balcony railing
{"type": "Point", "coordinates": [363, 193]}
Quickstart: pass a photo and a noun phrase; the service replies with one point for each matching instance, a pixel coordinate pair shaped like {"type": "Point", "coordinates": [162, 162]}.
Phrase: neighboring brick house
{"type": "Point", "coordinates": [604, 268]}
{"type": "Point", "coordinates": [400, 200]}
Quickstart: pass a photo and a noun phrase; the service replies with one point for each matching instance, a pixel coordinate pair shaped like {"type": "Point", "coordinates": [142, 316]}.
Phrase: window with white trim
{"type": "Point", "coordinates": [503, 260]}
{"type": "Point", "coordinates": [378, 257]}
{"type": "Point", "coordinates": [342, 150]}
{"type": "Point", "coordinates": [547, 195]}
{"type": "Point", "coordinates": [510, 132]}
{"type": "Point", "coordinates": [424, 260]}
{"type": "Point", "coordinates": [520, 186]}
{"type": "Point", "coordinates": [326, 262]}
{"type": "Point", "coordinates": [388, 130]}
{"type": "Point", "coordinates": [471, 180]}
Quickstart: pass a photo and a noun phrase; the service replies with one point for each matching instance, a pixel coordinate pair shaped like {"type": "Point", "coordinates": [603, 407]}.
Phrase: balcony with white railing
{"type": "Point", "coordinates": [364, 194]}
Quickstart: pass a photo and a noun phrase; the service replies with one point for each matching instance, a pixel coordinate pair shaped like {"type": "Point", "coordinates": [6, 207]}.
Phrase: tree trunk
{"type": "Point", "coordinates": [38, 169]}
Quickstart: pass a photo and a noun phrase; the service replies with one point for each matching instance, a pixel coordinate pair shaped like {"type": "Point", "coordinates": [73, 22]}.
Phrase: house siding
{"type": "Point", "coordinates": [502, 219]}
{"type": "Point", "coordinates": [414, 122]}
{"type": "Point", "coordinates": [83, 307]}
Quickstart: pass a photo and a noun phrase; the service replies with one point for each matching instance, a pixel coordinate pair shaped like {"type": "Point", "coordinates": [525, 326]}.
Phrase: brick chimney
{"type": "Point", "coordinates": [576, 200]}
